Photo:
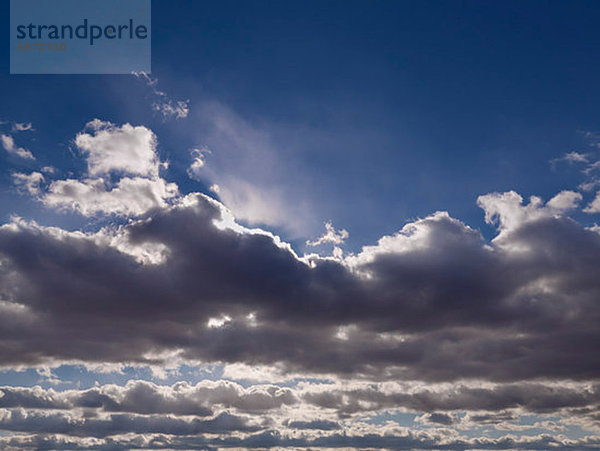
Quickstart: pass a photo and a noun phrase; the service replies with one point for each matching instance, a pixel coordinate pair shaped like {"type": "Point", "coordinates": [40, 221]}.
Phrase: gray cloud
{"type": "Point", "coordinates": [344, 399]}
{"type": "Point", "coordinates": [145, 415]}
{"type": "Point", "coordinates": [147, 398]}
{"type": "Point", "coordinates": [409, 440]}
{"type": "Point", "coordinates": [69, 424]}
{"type": "Point", "coordinates": [433, 302]}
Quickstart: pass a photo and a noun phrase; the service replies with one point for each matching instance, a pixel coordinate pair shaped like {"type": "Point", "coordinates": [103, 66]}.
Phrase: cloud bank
{"type": "Point", "coordinates": [433, 320]}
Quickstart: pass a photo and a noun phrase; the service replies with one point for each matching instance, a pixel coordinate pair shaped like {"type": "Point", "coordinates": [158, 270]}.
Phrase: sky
{"type": "Point", "coordinates": [340, 224]}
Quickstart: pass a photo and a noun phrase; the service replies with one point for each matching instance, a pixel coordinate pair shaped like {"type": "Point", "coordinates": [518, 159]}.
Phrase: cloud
{"type": "Point", "coordinates": [122, 174]}
{"type": "Point", "coordinates": [198, 161]}
{"type": "Point", "coordinates": [572, 157]}
{"type": "Point", "coordinates": [29, 183]}
{"type": "Point", "coordinates": [126, 149]}
{"type": "Point", "coordinates": [433, 302]}
{"type": "Point", "coordinates": [178, 109]}
{"type": "Point", "coordinates": [438, 418]}
{"type": "Point", "coordinates": [564, 201]}
{"type": "Point", "coordinates": [130, 196]}
{"type": "Point", "coordinates": [9, 145]}
{"type": "Point", "coordinates": [33, 421]}
{"type": "Point", "coordinates": [433, 323]}
{"type": "Point", "coordinates": [258, 204]}
{"type": "Point", "coordinates": [163, 104]}
{"type": "Point", "coordinates": [481, 398]}
{"type": "Point", "coordinates": [341, 399]}
{"type": "Point", "coordinates": [322, 425]}
{"type": "Point", "coordinates": [257, 174]}
{"type": "Point", "coordinates": [331, 236]}
{"type": "Point", "coordinates": [395, 439]}
{"type": "Point", "coordinates": [142, 397]}
{"type": "Point", "coordinates": [509, 212]}
{"type": "Point", "coordinates": [310, 412]}
{"type": "Point", "coordinates": [22, 126]}
{"type": "Point", "coordinates": [594, 206]}
{"type": "Point", "coordinates": [591, 164]}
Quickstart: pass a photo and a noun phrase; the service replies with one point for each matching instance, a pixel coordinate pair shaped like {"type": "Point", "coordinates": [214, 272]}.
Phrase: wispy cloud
{"type": "Point", "coordinates": [22, 127]}
{"type": "Point", "coordinates": [167, 107]}
{"type": "Point", "coordinates": [9, 145]}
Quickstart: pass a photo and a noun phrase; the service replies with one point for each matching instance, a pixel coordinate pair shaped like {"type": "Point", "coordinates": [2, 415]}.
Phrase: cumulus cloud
{"type": "Point", "coordinates": [396, 438]}
{"type": "Point", "coordinates": [130, 196]}
{"type": "Point", "coordinates": [408, 305]}
{"type": "Point", "coordinates": [142, 397]}
{"type": "Point", "coordinates": [69, 423]}
{"type": "Point", "coordinates": [509, 212]}
{"type": "Point", "coordinates": [127, 149]}
{"type": "Point", "coordinates": [123, 174]}
{"type": "Point", "coordinates": [564, 201]}
{"type": "Point", "coordinates": [314, 409]}
{"type": "Point", "coordinates": [9, 145]}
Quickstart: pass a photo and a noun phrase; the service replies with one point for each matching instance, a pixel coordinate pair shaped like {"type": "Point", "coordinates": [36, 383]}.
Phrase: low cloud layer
{"type": "Point", "coordinates": [433, 302]}
{"type": "Point", "coordinates": [306, 414]}
{"type": "Point", "coordinates": [433, 321]}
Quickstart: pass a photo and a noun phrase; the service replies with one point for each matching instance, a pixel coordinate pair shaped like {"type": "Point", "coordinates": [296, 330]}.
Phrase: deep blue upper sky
{"type": "Point", "coordinates": [391, 109]}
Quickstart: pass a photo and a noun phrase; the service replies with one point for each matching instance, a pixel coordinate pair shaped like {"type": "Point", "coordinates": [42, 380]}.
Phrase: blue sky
{"type": "Point", "coordinates": [368, 116]}
{"type": "Point", "coordinates": [409, 108]}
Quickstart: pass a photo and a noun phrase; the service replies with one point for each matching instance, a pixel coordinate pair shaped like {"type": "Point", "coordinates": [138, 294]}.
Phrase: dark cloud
{"type": "Point", "coordinates": [439, 418]}
{"type": "Point", "coordinates": [492, 418]}
{"type": "Point", "coordinates": [433, 302]}
{"type": "Point", "coordinates": [535, 398]}
{"type": "Point", "coordinates": [271, 439]}
{"type": "Point", "coordinates": [33, 421]}
{"type": "Point", "coordinates": [142, 397]}
{"type": "Point", "coordinates": [322, 425]}
{"type": "Point", "coordinates": [484, 405]}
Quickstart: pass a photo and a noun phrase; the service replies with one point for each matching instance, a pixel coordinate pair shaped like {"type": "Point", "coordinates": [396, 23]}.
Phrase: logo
{"type": "Point", "coordinates": [80, 36]}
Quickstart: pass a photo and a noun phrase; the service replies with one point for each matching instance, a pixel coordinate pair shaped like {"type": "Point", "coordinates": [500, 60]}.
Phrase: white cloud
{"type": "Point", "coordinates": [330, 236]}
{"type": "Point", "coordinates": [198, 162]}
{"type": "Point", "coordinates": [594, 206]}
{"type": "Point", "coordinates": [123, 174]}
{"type": "Point", "coordinates": [167, 107]}
{"type": "Point", "coordinates": [48, 170]}
{"type": "Point", "coordinates": [29, 183]}
{"type": "Point", "coordinates": [564, 201]}
{"type": "Point", "coordinates": [574, 157]}
{"type": "Point", "coordinates": [130, 196]}
{"type": "Point", "coordinates": [9, 145]}
{"type": "Point", "coordinates": [509, 211]}
{"type": "Point", "coordinates": [177, 109]}
{"type": "Point", "coordinates": [127, 149]}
